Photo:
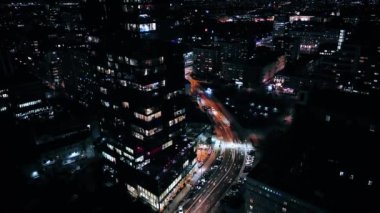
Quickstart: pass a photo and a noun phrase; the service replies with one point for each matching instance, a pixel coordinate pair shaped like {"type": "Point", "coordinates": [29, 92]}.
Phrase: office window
{"type": "Point", "coordinates": [147, 27]}
{"type": "Point", "coordinates": [105, 103]}
{"type": "Point", "coordinates": [125, 104]}
{"type": "Point", "coordinates": [128, 156]}
{"type": "Point", "coordinates": [30, 103]}
{"type": "Point", "coordinates": [167, 144]}
{"type": "Point", "coordinates": [103, 90]}
{"type": "Point", "coordinates": [177, 120]}
{"type": "Point", "coordinates": [149, 117]}
{"type": "Point", "coordinates": [129, 149]}
{"type": "Point", "coordinates": [110, 146]}
{"type": "Point", "coordinates": [138, 135]}
{"type": "Point", "coordinates": [109, 157]}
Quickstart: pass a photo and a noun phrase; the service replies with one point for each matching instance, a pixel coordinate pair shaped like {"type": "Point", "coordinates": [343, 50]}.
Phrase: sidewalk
{"type": "Point", "coordinates": [172, 207]}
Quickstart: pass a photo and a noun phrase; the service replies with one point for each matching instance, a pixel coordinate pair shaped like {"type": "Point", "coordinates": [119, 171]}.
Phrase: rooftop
{"type": "Point", "coordinates": [323, 163]}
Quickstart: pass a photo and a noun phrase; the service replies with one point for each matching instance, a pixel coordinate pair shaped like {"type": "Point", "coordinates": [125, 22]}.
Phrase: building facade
{"type": "Point", "coordinates": [141, 90]}
{"type": "Point", "coordinates": [260, 197]}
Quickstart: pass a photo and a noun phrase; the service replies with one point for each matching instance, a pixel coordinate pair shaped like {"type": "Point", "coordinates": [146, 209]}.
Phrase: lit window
{"type": "Point", "coordinates": [148, 118]}
{"type": "Point", "coordinates": [129, 149]}
{"type": "Point", "coordinates": [161, 59]}
{"type": "Point", "coordinates": [31, 103]}
{"type": "Point", "coordinates": [185, 164]}
{"type": "Point", "coordinates": [110, 146]}
{"type": "Point", "coordinates": [109, 157]}
{"type": "Point", "coordinates": [133, 62]}
{"type": "Point", "coordinates": [118, 151]}
{"type": "Point", "coordinates": [147, 27]}
{"type": "Point", "coordinates": [123, 83]}
{"type": "Point", "coordinates": [150, 197]}
{"type": "Point", "coordinates": [109, 72]}
{"type": "Point", "coordinates": [138, 135]}
{"type": "Point", "coordinates": [147, 132]}
{"type": "Point", "coordinates": [25, 115]}
{"type": "Point", "coordinates": [128, 156]}
{"type": "Point", "coordinates": [103, 90]}
{"type": "Point", "coordinates": [141, 165]}
{"type": "Point", "coordinates": [167, 144]}
{"type": "Point", "coordinates": [148, 111]}
{"type": "Point", "coordinates": [105, 103]}
{"type": "Point", "coordinates": [140, 159]}
{"type": "Point", "coordinates": [125, 104]}
{"type": "Point", "coordinates": [177, 120]}
{"type": "Point", "coordinates": [171, 186]}
{"type": "Point", "coordinates": [151, 86]}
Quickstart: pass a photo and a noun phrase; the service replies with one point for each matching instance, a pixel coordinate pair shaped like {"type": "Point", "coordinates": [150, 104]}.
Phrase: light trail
{"type": "Point", "coordinates": [226, 139]}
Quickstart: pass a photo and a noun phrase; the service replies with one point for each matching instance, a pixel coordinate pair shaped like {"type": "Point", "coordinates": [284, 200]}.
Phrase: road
{"type": "Point", "coordinates": [218, 183]}
{"type": "Point", "coordinates": [233, 152]}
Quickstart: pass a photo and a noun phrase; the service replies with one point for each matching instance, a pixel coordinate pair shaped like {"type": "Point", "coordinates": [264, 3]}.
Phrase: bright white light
{"type": "Point", "coordinates": [73, 154]}
{"type": "Point", "coordinates": [35, 174]}
{"type": "Point", "coordinates": [208, 91]}
{"type": "Point", "coordinates": [48, 162]}
{"type": "Point", "coordinates": [231, 145]}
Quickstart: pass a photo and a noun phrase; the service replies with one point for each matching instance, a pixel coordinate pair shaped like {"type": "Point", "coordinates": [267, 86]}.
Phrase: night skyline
{"type": "Point", "coordinates": [190, 105]}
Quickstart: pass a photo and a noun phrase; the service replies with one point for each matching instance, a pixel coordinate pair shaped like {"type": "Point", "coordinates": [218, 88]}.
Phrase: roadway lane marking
{"type": "Point", "coordinates": [223, 177]}
{"type": "Point", "coordinates": [226, 160]}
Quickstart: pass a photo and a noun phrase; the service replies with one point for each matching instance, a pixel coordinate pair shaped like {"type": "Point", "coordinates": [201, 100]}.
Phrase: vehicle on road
{"type": "Point", "coordinates": [180, 209]}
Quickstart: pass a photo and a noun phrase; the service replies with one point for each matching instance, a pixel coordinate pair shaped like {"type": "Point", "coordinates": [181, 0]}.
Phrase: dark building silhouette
{"type": "Point", "coordinates": [141, 92]}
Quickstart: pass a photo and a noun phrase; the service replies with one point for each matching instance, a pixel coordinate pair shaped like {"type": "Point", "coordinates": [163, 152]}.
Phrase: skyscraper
{"type": "Point", "coordinates": [141, 90]}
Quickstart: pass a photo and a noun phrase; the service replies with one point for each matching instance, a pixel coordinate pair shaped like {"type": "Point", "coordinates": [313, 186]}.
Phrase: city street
{"type": "Point", "coordinates": [233, 152]}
